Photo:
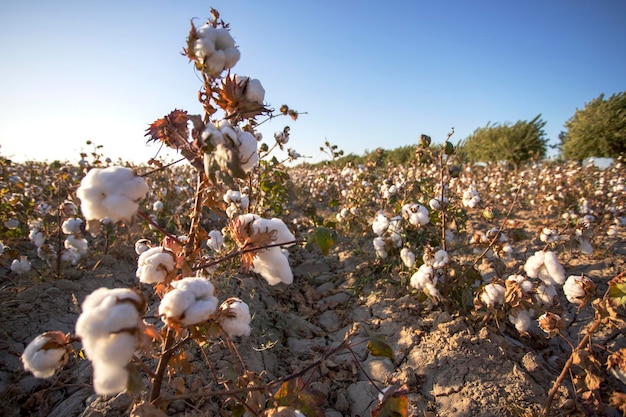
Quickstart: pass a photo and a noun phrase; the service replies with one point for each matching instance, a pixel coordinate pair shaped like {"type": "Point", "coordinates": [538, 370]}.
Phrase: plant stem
{"type": "Point", "coordinates": [166, 355]}
{"type": "Point", "coordinates": [590, 330]}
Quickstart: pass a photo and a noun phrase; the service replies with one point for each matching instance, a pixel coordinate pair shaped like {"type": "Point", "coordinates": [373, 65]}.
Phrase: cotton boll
{"type": "Point", "coordinates": [72, 226]}
{"type": "Point", "coordinates": [80, 245]}
{"type": "Point", "coordinates": [394, 230]}
{"type": "Point", "coordinates": [416, 213]}
{"type": "Point", "coordinates": [190, 302]}
{"type": "Point", "coordinates": [425, 279]}
{"type": "Point", "coordinates": [380, 246]}
{"type": "Point", "coordinates": [109, 379]}
{"type": "Point", "coordinates": [546, 294]}
{"type": "Point", "coordinates": [37, 237]}
{"type": "Point", "coordinates": [555, 269]}
{"type": "Point", "coordinates": [524, 284]}
{"type": "Point", "coordinates": [381, 223]}
{"type": "Point", "coordinates": [155, 264]}
{"type": "Point", "coordinates": [112, 193]}
{"type": "Point", "coordinates": [45, 354]}
{"type": "Point", "coordinates": [157, 206]}
{"type": "Point", "coordinates": [216, 240]}
{"type": "Point", "coordinates": [522, 320]}
{"type": "Point", "coordinates": [612, 231]}
{"type": "Point", "coordinates": [578, 289]}
{"type": "Point", "coordinates": [273, 265]}
{"type": "Point", "coordinates": [108, 327]}
{"type": "Point", "coordinates": [441, 259]}
{"type": "Point", "coordinates": [492, 295]}
{"type": "Point", "coordinates": [234, 317]}
{"type": "Point", "coordinates": [142, 245]}
{"type": "Point", "coordinates": [408, 257]}
{"type": "Point", "coordinates": [20, 266]}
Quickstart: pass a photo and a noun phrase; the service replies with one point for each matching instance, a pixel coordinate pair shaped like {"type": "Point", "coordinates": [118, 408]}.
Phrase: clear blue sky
{"type": "Point", "coordinates": [369, 74]}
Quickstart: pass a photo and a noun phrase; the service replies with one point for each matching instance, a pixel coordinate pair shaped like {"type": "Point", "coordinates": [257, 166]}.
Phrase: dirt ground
{"type": "Point", "coordinates": [449, 365]}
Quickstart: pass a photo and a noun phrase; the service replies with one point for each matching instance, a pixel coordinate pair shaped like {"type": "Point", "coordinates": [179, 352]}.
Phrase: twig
{"type": "Point", "coordinates": [343, 345]}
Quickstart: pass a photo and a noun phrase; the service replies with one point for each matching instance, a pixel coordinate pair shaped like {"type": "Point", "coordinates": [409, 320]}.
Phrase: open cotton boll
{"type": "Point", "coordinates": [109, 379]}
{"type": "Point", "coordinates": [20, 266]}
{"type": "Point", "coordinates": [578, 289]}
{"type": "Point", "coordinates": [416, 213]}
{"type": "Point", "coordinates": [215, 240]}
{"type": "Point", "coordinates": [545, 266]}
{"type": "Point", "coordinates": [79, 244]}
{"type": "Point", "coordinates": [72, 226]}
{"type": "Point", "coordinates": [108, 327]}
{"type": "Point", "coordinates": [273, 265]}
{"type": "Point", "coordinates": [545, 295]}
{"type": "Point", "coordinates": [380, 246]}
{"type": "Point", "coordinates": [555, 269]}
{"type": "Point", "coordinates": [524, 284]}
{"type": "Point", "coordinates": [441, 259]}
{"type": "Point", "coordinates": [190, 302]}
{"type": "Point", "coordinates": [37, 237]}
{"type": "Point", "coordinates": [107, 311]}
{"type": "Point", "coordinates": [522, 320]}
{"type": "Point", "coordinates": [253, 87]}
{"type": "Point", "coordinates": [394, 230]}
{"type": "Point", "coordinates": [234, 317]}
{"type": "Point", "coordinates": [215, 49]}
{"type": "Point", "coordinates": [45, 354]}
{"type": "Point", "coordinates": [111, 193]}
{"type": "Point", "coordinates": [425, 279]}
{"type": "Point", "coordinates": [408, 257]}
{"type": "Point", "coordinates": [155, 264]}
{"type": "Point", "coordinates": [380, 224]}
{"type": "Point", "coordinates": [492, 295]}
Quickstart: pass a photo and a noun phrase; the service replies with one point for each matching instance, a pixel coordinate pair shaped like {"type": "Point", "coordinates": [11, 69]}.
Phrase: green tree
{"type": "Point", "coordinates": [505, 142]}
{"type": "Point", "coordinates": [599, 129]}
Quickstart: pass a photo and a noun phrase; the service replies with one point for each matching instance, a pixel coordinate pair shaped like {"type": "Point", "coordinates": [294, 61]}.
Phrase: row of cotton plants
{"type": "Point", "coordinates": [455, 234]}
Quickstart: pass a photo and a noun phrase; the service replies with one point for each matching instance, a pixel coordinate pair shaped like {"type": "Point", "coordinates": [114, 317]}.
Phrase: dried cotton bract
{"type": "Point", "coordinates": [45, 354]}
{"type": "Point", "coordinates": [109, 327]}
{"type": "Point", "coordinates": [191, 301]}
{"type": "Point", "coordinates": [111, 193]}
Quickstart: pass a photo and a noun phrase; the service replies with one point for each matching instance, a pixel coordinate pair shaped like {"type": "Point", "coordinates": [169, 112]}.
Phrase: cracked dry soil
{"type": "Point", "coordinates": [450, 366]}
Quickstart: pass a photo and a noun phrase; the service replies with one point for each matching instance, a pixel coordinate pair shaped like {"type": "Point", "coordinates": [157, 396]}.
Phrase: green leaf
{"type": "Point", "coordinates": [294, 393]}
{"type": "Point", "coordinates": [394, 404]}
{"type": "Point", "coordinates": [378, 346]}
{"type": "Point", "coordinates": [323, 237]}
{"type": "Point", "coordinates": [617, 293]}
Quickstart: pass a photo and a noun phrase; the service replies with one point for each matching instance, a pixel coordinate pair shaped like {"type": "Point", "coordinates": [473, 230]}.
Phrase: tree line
{"type": "Point", "coordinates": [596, 130]}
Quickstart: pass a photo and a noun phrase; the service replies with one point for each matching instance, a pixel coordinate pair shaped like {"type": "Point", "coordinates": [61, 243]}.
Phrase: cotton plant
{"type": "Point", "coordinates": [222, 149]}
